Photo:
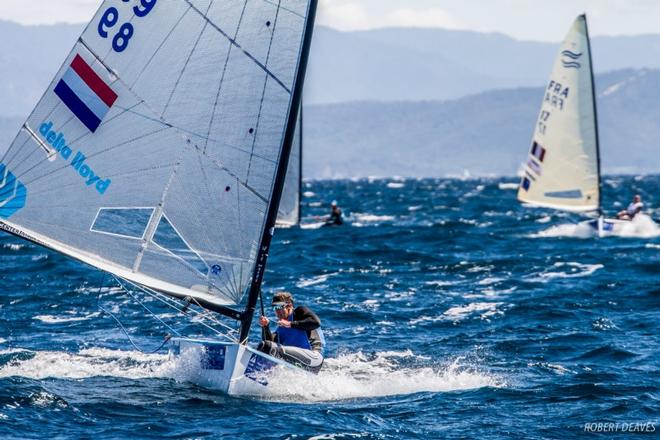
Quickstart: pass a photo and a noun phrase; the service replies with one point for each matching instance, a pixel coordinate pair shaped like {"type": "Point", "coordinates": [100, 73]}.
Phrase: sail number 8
{"type": "Point", "coordinates": [123, 36]}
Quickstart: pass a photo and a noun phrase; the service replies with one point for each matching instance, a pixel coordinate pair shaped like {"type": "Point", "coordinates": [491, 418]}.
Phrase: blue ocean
{"type": "Point", "coordinates": [450, 311]}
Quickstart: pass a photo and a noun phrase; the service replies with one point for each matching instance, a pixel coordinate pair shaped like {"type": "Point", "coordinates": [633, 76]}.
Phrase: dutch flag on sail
{"type": "Point", "coordinates": [85, 93]}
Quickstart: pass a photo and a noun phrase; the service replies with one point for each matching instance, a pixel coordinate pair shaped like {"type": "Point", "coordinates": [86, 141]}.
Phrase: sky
{"type": "Point", "coordinates": [539, 20]}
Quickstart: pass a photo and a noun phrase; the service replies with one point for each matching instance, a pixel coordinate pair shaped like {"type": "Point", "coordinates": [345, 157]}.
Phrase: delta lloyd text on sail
{"type": "Point", "coordinates": [59, 143]}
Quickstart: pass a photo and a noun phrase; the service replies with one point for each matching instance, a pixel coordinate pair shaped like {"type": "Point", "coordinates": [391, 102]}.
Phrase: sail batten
{"type": "Point", "coordinates": [562, 170]}
{"type": "Point", "coordinates": [179, 107]}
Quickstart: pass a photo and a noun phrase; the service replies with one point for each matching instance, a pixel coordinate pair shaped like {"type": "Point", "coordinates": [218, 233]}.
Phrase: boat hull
{"type": "Point", "coordinates": [604, 227]}
{"type": "Point", "coordinates": [234, 369]}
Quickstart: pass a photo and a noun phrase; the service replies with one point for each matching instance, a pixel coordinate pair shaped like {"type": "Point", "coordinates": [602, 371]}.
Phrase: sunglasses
{"type": "Point", "coordinates": [280, 307]}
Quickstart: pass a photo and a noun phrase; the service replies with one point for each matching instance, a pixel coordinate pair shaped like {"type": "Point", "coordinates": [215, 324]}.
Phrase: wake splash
{"type": "Point", "coordinates": [87, 363]}
{"type": "Point", "coordinates": [349, 376]}
{"type": "Point", "coordinates": [642, 226]}
{"type": "Point", "coordinates": [358, 376]}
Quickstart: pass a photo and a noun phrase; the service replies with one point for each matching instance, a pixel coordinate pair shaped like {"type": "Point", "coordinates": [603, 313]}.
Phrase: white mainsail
{"type": "Point", "coordinates": [289, 212]}
{"type": "Point", "coordinates": [153, 154]}
{"type": "Point", "coordinates": [563, 169]}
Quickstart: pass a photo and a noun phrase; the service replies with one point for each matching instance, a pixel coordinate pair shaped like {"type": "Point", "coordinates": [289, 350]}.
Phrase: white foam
{"type": "Point", "coordinates": [50, 319]}
{"type": "Point", "coordinates": [353, 376]}
{"type": "Point", "coordinates": [307, 282]}
{"type": "Point", "coordinates": [359, 219]}
{"type": "Point", "coordinates": [642, 226]}
{"type": "Point", "coordinates": [348, 376]}
{"type": "Point", "coordinates": [507, 186]}
{"type": "Point", "coordinates": [566, 230]}
{"type": "Point", "coordinates": [568, 270]}
{"type": "Point", "coordinates": [484, 309]}
{"type": "Point", "coordinates": [316, 225]}
{"type": "Point", "coordinates": [652, 246]}
{"type": "Point", "coordinates": [490, 280]}
{"type": "Point", "coordinates": [13, 246]}
{"type": "Point", "coordinates": [395, 185]}
{"type": "Point", "coordinates": [441, 283]}
{"type": "Point", "coordinates": [88, 363]}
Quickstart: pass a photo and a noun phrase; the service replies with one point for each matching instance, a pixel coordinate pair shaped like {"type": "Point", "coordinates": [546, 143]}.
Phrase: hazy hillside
{"type": "Point", "coordinates": [487, 133]}
{"type": "Point", "coordinates": [382, 65]}
{"type": "Point", "coordinates": [420, 64]}
{"type": "Point", "coordinates": [29, 56]}
{"type": "Point", "coordinates": [483, 132]}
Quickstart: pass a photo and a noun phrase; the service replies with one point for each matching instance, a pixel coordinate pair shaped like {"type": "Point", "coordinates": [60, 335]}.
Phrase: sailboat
{"type": "Point", "coordinates": [563, 166]}
{"type": "Point", "coordinates": [158, 155]}
{"type": "Point", "coordinates": [290, 211]}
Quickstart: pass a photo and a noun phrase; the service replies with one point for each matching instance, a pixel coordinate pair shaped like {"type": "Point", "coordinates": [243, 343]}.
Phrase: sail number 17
{"type": "Point", "coordinates": [543, 118]}
{"type": "Point", "coordinates": [123, 35]}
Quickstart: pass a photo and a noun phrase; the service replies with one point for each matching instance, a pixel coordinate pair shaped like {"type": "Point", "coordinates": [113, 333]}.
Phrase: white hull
{"type": "Point", "coordinates": [605, 227]}
{"type": "Point", "coordinates": [234, 369]}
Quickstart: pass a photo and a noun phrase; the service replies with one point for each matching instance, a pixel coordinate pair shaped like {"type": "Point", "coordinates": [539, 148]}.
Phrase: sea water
{"type": "Point", "coordinates": [450, 312]}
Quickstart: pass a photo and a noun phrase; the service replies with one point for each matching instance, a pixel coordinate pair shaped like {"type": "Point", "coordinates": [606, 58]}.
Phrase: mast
{"type": "Point", "coordinates": [300, 161]}
{"type": "Point", "coordinates": [278, 185]}
{"type": "Point", "coordinates": [593, 100]}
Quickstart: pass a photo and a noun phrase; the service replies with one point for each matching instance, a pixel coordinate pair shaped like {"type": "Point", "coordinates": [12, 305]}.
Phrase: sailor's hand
{"type": "Point", "coordinates": [284, 323]}
{"type": "Point", "coordinates": [263, 321]}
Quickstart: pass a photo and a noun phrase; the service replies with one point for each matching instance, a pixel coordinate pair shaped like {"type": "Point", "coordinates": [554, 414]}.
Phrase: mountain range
{"type": "Point", "coordinates": [483, 134]}
{"type": "Point", "coordinates": [413, 102]}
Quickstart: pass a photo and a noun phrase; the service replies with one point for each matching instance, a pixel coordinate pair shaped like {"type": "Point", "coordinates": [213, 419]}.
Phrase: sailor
{"type": "Point", "coordinates": [336, 217]}
{"type": "Point", "coordinates": [635, 207]}
{"type": "Point", "coordinates": [298, 338]}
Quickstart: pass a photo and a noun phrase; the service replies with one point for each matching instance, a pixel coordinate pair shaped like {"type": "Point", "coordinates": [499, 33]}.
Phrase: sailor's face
{"type": "Point", "coordinates": [284, 312]}
{"type": "Point", "coordinates": [637, 199]}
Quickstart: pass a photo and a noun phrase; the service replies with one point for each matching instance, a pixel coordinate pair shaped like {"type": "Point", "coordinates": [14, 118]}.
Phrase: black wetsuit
{"type": "Point", "coordinates": [336, 218]}
{"type": "Point", "coordinates": [310, 359]}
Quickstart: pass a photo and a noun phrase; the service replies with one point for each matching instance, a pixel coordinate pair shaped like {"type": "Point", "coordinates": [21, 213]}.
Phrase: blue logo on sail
{"type": "Point", "coordinates": [570, 59]}
{"type": "Point", "coordinates": [12, 193]}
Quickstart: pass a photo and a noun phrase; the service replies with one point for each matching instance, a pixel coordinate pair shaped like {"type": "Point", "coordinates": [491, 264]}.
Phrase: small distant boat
{"type": "Point", "coordinates": [563, 167]}
{"type": "Point", "coordinates": [158, 155]}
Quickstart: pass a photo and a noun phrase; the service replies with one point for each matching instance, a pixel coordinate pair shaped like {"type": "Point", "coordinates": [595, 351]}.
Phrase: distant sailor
{"type": "Point", "coordinates": [298, 338]}
{"type": "Point", "coordinates": [336, 217]}
{"type": "Point", "coordinates": [635, 207]}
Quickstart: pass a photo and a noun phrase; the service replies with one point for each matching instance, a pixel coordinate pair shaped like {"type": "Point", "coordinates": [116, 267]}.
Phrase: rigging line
{"type": "Point", "coordinates": [67, 164]}
{"type": "Point", "coordinates": [171, 303]}
{"type": "Point", "coordinates": [185, 65]}
{"type": "Point", "coordinates": [28, 138]}
{"type": "Point", "coordinates": [234, 175]}
{"type": "Point", "coordinates": [205, 183]}
{"type": "Point", "coordinates": [201, 136]}
{"type": "Point", "coordinates": [176, 307]}
{"type": "Point", "coordinates": [130, 339]}
{"type": "Point", "coordinates": [206, 315]}
{"type": "Point", "coordinates": [109, 119]}
{"type": "Point", "coordinates": [108, 176]}
{"type": "Point", "coordinates": [128, 336]}
{"type": "Point", "coordinates": [160, 46]}
{"type": "Point", "coordinates": [297, 14]}
{"type": "Point", "coordinates": [222, 77]}
{"type": "Point", "coordinates": [153, 314]}
{"type": "Point", "coordinates": [72, 143]}
{"type": "Point", "coordinates": [263, 94]}
{"type": "Point", "coordinates": [238, 46]}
